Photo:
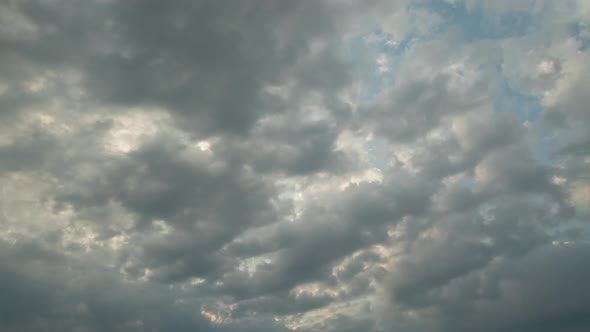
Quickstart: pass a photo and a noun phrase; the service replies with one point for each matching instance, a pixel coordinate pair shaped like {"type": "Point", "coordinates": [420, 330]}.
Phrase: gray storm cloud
{"type": "Point", "coordinates": [294, 166]}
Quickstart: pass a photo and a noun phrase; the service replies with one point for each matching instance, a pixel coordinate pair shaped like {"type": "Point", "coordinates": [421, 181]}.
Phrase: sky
{"type": "Point", "coordinates": [312, 166]}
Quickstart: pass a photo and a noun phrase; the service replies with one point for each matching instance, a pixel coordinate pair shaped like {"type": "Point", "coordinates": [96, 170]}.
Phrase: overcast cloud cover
{"type": "Point", "coordinates": [229, 166]}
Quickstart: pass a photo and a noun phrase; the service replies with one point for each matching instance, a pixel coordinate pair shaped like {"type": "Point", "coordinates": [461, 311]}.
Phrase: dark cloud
{"type": "Point", "coordinates": [542, 291]}
{"type": "Point", "coordinates": [278, 166]}
{"type": "Point", "coordinates": [29, 151]}
{"type": "Point", "coordinates": [207, 63]}
{"type": "Point", "coordinates": [204, 202]}
{"type": "Point", "coordinates": [290, 145]}
{"type": "Point", "coordinates": [329, 230]}
{"type": "Point", "coordinates": [417, 106]}
{"type": "Point", "coordinates": [45, 290]}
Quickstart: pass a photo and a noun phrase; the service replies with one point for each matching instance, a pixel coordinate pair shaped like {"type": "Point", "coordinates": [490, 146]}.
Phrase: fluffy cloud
{"type": "Point", "coordinates": [309, 165]}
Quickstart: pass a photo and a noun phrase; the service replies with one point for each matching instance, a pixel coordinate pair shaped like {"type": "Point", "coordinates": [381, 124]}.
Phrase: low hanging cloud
{"type": "Point", "coordinates": [294, 166]}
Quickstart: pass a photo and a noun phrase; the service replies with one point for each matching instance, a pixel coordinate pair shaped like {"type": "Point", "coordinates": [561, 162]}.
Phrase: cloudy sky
{"type": "Point", "coordinates": [313, 166]}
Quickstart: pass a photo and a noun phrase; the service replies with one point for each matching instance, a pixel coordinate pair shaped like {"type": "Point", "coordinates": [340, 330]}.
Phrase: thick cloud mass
{"type": "Point", "coordinates": [304, 165]}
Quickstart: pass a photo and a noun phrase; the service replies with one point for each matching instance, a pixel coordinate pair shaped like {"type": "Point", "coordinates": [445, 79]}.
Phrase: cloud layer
{"type": "Point", "coordinates": [298, 165]}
